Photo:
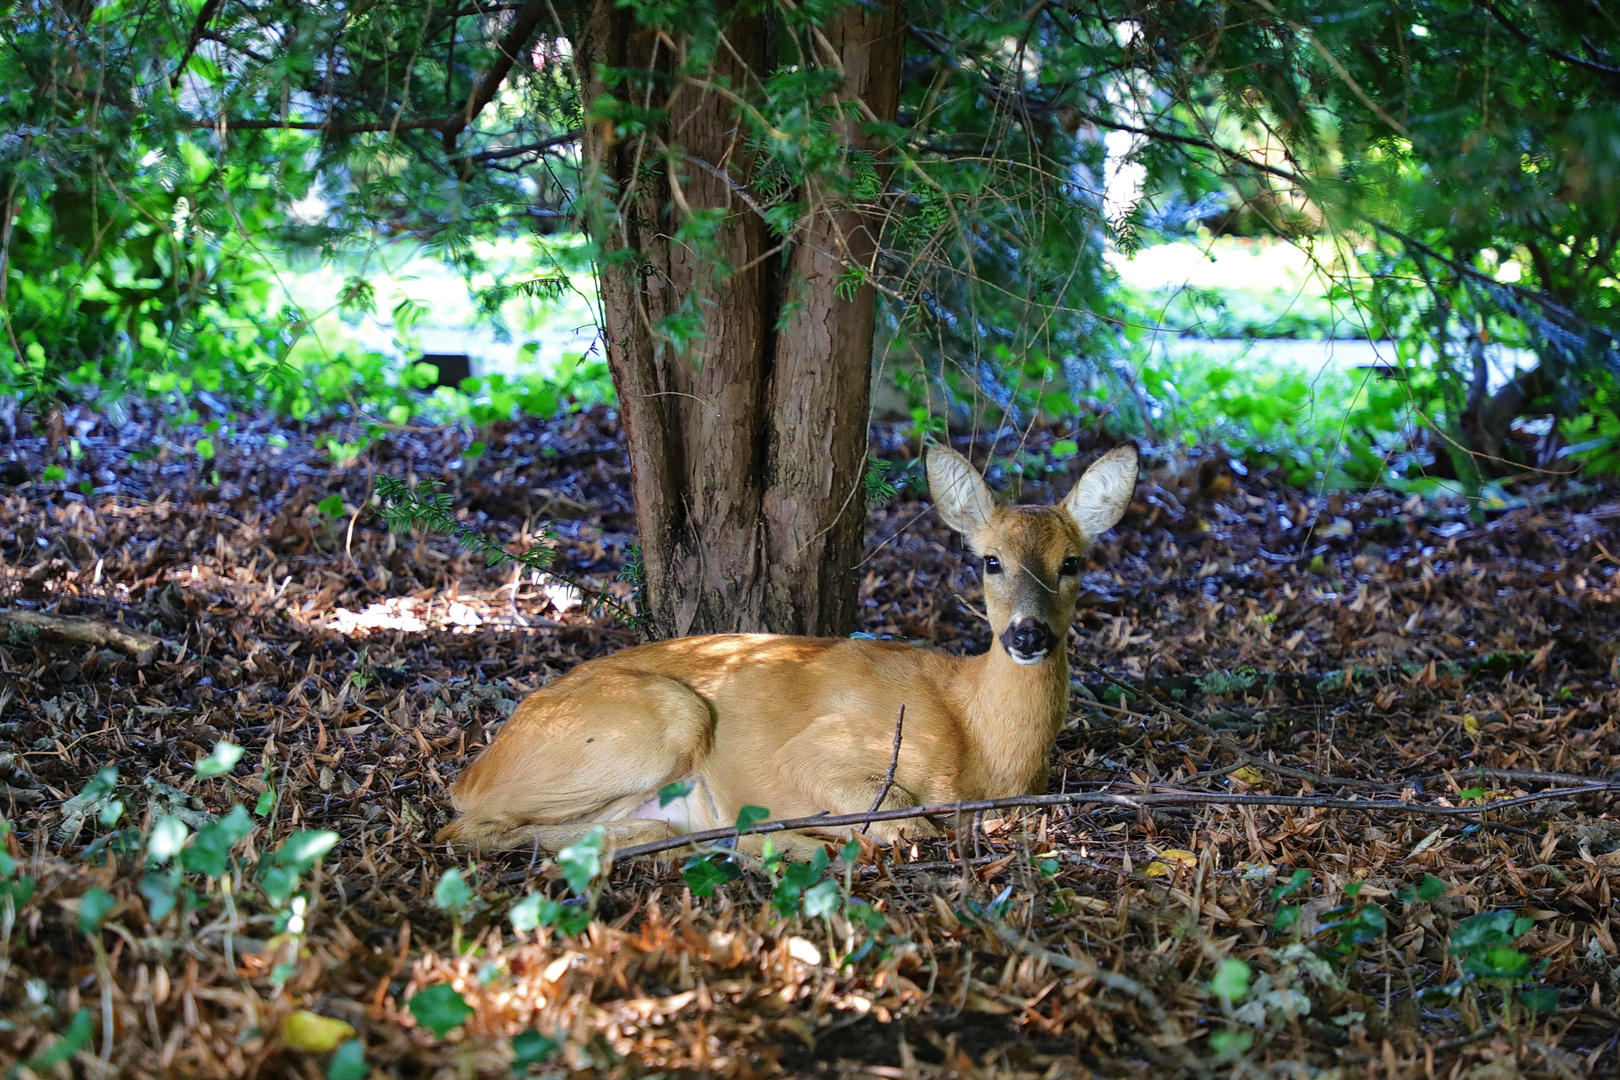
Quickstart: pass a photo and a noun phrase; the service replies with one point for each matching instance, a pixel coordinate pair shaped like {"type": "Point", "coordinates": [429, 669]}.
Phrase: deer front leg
{"type": "Point", "coordinates": [841, 769]}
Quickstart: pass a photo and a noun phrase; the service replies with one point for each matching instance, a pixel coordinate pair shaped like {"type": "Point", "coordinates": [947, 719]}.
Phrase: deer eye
{"type": "Point", "coordinates": [992, 565]}
{"type": "Point", "coordinates": [1070, 566]}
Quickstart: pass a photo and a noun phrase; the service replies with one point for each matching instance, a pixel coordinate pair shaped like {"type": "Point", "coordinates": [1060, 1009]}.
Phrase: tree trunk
{"type": "Point", "coordinates": [747, 441]}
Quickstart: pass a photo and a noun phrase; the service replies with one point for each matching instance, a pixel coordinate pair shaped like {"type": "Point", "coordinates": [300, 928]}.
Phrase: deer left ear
{"type": "Point", "coordinates": [1099, 500]}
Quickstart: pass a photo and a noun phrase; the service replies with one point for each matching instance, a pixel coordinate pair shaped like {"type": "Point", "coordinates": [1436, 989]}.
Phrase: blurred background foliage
{"type": "Point", "coordinates": [235, 206]}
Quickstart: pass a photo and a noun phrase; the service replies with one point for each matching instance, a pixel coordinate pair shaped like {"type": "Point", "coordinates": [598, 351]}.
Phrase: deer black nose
{"type": "Point", "coordinates": [1028, 639]}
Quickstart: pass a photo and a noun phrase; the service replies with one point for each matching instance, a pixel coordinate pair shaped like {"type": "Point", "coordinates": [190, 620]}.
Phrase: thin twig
{"type": "Point", "coordinates": [1314, 779]}
{"type": "Point", "coordinates": [894, 760]}
{"type": "Point", "coordinates": [1468, 814]}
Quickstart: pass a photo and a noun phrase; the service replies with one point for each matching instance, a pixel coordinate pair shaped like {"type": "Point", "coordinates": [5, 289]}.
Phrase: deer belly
{"type": "Point", "coordinates": [692, 812]}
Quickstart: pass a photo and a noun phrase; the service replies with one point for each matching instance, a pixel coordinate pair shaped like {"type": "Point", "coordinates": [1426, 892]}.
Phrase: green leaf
{"type": "Point", "coordinates": [8, 865]}
{"type": "Point", "coordinates": [20, 891]}
{"type": "Point", "coordinates": [210, 849]}
{"type": "Point", "coordinates": [205, 449]}
{"type": "Point", "coordinates": [1488, 929]}
{"type": "Point", "coordinates": [525, 914]}
{"type": "Point", "coordinates": [54, 473]}
{"type": "Point", "coordinates": [349, 1062]}
{"type": "Point", "coordinates": [1231, 1043]}
{"type": "Point", "coordinates": [1542, 999]}
{"type": "Point", "coordinates": [1231, 981]}
{"type": "Point", "coordinates": [452, 893]}
{"type": "Point", "coordinates": [868, 916]}
{"type": "Point", "coordinates": [1296, 881]}
{"type": "Point", "coordinates": [278, 875]}
{"type": "Point", "coordinates": [159, 892]}
{"type": "Point", "coordinates": [581, 862]}
{"type": "Point", "coordinates": [111, 813]}
{"type": "Point", "coordinates": [822, 899]}
{"type": "Point", "coordinates": [1065, 448]}
{"type": "Point", "coordinates": [72, 1041]}
{"type": "Point", "coordinates": [749, 816]}
{"type": "Point", "coordinates": [439, 1008]}
{"type": "Point", "coordinates": [222, 760]}
{"type": "Point", "coordinates": [1471, 793]}
{"type": "Point", "coordinates": [1352, 889]}
{"type": "Point", "coordinates": [680, 789]}
{"type": "Point", "coordinates": [531, 1048]}
{"type": "Point", "coordinates": [1286, 917]}
{"type": "Point", "coordinates": [1050, 867]}
{"type": "Point", "coordinates": [266, 803]}
{"type": "Point", "coordinates": [331, 506]}
{"type": "Point", "coordinates": [94, 906]}
{"type": "Point", "coordinates": [167, 838]}
{"type": "Point", "coordinates": [703, 874]}
{"type": "Point", "coordinates": [1502, 963]}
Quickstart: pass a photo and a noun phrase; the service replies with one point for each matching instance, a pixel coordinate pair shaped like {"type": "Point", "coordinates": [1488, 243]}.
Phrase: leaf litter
{"type": "Point", "coordinates": [219, 860]}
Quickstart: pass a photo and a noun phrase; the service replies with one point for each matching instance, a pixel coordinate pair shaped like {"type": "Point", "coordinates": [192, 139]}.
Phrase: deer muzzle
{"type": "Point", "coordinates": [1028, 640]}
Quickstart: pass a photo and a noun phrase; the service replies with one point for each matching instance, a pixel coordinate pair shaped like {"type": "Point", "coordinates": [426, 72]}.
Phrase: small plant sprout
{"type": "Point", "coordinates": [1230, 985]}
{"type": "Point", "coordinates": [1483, 944]}
{"type": "Point", "coordinates": [453, 896]}
{"type": "Point", "coordinates": [221, 761]}
{"type": "Point", "coordinates": [94, 907]}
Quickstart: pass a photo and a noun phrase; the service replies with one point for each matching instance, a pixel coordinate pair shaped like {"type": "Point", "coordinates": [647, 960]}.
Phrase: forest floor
{"type": "Point", "coordinates": [1368, 647]}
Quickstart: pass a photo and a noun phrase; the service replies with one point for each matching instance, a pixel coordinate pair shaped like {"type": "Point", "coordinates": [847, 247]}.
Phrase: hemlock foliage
{"type": "Point", "coordinates": [1452, 166]}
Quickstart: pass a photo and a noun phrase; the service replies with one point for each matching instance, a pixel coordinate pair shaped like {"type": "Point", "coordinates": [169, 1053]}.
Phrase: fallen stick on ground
{"type": "Point", "coordinates": [1468, 814]}
{"type": "Point", "coordinates": [84, 631]}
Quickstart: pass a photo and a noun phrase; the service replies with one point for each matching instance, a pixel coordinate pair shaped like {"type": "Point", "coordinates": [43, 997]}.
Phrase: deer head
{"type": "Point", "coordinates": [1032, 554]}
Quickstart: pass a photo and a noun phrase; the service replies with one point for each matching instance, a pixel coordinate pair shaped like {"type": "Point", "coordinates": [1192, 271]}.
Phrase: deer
{"type": "Point", "coordinates": [803, 726]}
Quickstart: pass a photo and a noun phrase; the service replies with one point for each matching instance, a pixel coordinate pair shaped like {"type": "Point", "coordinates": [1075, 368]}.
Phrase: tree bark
{"type": "Point", "coordinates": [747, 444]}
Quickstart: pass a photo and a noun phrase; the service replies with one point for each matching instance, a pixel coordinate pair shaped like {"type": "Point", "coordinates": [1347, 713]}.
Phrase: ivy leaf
{"type": "Point", "coordinates": [72, 1041]}
{"type": "Point", "coordinates": [160, 896]}
{"type": "Point", "coordinates": [530, 1048]}
{"type": "Point", "coordinates": [94, 906]}
{"type": "Point", "coordinates": [1543, 999]}
{"type": "Point", "coordinates": [525, 914]}
{"type": "Point", "coordinates": [749, 816]}
{"type": "Point", "coordinates": [1231, 981]}
{"type": "Point", "coordinates": [678, 790]}
{"type": "Point", "coordinates": [222, 760]}
{"type": "Point", "coordinates": [581, 862]}
{"type": "Point", "coordinates": [452, 893]}
{"type": "Point", "coordinates": [278, 875]}
{"type": "Point", "coordinates": [703, 874]}
{"type": "Point", "coordinates": [168, 837]}
{"type": "Point", "coordinates": [439, 1008]}
{"type": "Point", "coordinates": [349, 1063]}
{"type": "Point", "coordinates": [210, 850]}
{"type": "Point", "coordinates": [822, 899]}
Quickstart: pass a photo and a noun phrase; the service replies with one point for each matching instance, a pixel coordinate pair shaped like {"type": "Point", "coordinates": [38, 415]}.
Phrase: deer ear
{"type": "Point", "coordinates": [1099, 500]}
{"type": "Point", "coordinates": [960, 496]}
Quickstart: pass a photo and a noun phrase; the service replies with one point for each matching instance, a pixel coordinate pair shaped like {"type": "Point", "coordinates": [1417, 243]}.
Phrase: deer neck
{"type": "Point", "coordinates": [1013, 713]}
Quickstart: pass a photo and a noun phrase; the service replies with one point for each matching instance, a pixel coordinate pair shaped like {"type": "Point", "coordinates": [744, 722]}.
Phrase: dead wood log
{"type": "Point", "coordinates": [143, 647]}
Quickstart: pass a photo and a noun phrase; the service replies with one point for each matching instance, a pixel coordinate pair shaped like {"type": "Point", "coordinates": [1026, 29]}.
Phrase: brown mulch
{"type": "Point", "coordinates": [1406, 644]}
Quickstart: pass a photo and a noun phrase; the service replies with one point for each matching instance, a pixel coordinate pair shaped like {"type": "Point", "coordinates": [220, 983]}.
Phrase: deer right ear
{"type": "Point", "coordinates": [959, 492]}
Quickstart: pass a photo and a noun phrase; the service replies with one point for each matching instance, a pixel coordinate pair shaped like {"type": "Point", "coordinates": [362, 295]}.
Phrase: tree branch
{"type": "Point", "coordinates": [822, 822]}
{"type": "Point", "coordinates": [516, 39]}
{"type": "Point", "coordinates": [1606, 70]}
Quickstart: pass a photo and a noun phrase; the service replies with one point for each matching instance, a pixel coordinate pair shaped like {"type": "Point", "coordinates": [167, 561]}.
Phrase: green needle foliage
{"type": "Point", "coordinates": [1453, 166]}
